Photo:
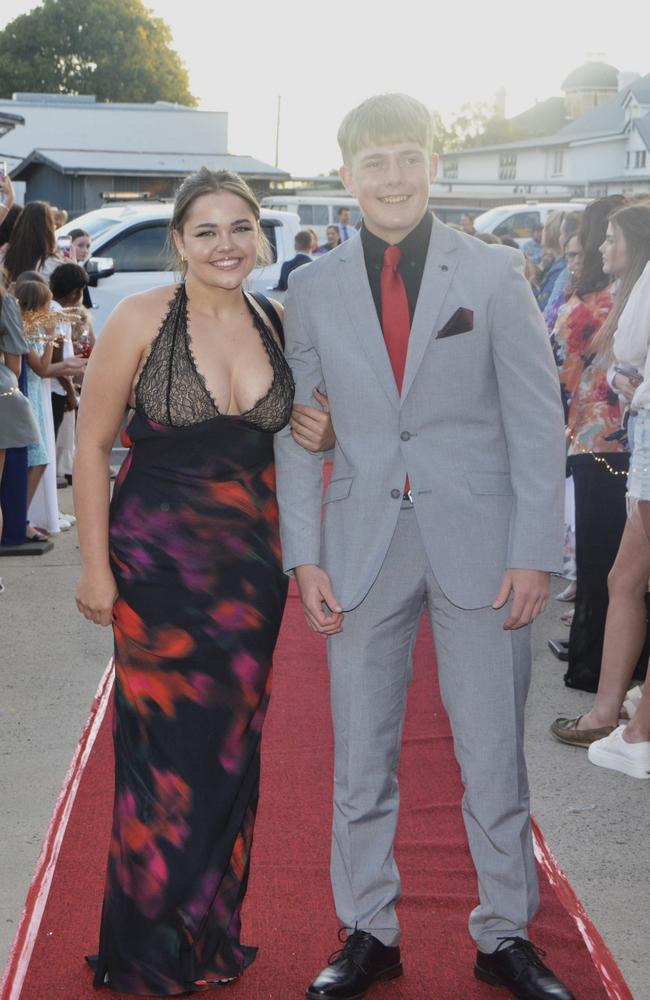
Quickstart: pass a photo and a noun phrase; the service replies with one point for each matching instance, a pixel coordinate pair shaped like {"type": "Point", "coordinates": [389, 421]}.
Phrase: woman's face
{"type": "Point", "coordinates": [614, 251]}
{"type": "Point", "coordinates": [82, 247]}
{"type": "Point", "coordinates": [219, 239]}
{"type": "Point", "coordinates": [573, 254]}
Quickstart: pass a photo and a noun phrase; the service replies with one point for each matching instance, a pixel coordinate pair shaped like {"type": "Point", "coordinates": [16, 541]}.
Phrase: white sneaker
{"type": "Point", "coordinates": [613, 752]}
{"type": "Point", "coordinates": [64, 524]}
{"type": "Point", "coordinates": [632, 699]}
{"type": "Point", "coordinates": [70, 518]}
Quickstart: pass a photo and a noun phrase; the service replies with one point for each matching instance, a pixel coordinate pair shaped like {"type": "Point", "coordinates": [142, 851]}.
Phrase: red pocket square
{"type": "Point", "coordinates": [462, 321]}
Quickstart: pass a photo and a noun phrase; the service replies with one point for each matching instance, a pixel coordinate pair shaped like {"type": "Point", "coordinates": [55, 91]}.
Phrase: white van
{"type": "Point", "coordinates": [315, 212]}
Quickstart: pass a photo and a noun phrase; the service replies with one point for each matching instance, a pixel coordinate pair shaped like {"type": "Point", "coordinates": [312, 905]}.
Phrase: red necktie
{"type": "Point", "coordinates": [395, 317]}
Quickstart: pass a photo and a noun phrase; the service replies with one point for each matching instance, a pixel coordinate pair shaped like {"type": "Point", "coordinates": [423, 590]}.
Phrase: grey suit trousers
{"type": "Point", "coordinates": [484, 676]}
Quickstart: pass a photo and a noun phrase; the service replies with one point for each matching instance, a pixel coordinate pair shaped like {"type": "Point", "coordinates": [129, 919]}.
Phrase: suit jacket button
{"type": "Point", "coordinates": [405, 436]}
{"type": "Point", "coordinates": [396, 494]}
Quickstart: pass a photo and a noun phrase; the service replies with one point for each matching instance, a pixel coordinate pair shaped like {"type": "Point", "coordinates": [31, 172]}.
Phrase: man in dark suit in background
{"type": "Point", "coordinates": [302, 245]}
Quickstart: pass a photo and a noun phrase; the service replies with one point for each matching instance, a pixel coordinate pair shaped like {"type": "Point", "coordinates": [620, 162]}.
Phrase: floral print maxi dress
{"type": "Point", "coordinates": [195, 551]}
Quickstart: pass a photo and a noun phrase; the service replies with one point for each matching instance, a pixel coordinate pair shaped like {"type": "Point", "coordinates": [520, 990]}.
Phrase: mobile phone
{"type": "Point", "coordinates": [628, 370]}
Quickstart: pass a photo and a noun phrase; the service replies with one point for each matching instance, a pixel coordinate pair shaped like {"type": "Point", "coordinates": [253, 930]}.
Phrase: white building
{"type": "Point", "coordinates": [604, 151]}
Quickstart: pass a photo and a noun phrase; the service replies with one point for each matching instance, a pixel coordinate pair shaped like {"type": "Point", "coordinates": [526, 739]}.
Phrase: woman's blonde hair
{"type": "Point", "coordinates": [633, 222]}
{"type": "Point", "coordinates": [551, 234]}
{"type": "Point", "coordinates": [384, 119]}
{"type": "Point", "coordinates": [205, 181]}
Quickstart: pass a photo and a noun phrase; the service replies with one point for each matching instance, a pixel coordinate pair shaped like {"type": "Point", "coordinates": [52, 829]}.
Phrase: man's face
{"type": "Point", "coordinates": [344, 216]}
{"type": "Point", "coordinates": [391, 183]}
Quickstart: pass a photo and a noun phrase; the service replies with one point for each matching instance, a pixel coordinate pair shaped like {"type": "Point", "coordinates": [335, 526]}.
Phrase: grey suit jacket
{"type": "Point", "coordinates": [478, 427]}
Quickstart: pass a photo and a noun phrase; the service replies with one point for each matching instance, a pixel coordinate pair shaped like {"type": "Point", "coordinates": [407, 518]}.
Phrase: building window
{"type": "Point", "coordinates": [558, 161]}
{"type": "Point", "coordinates": [507, 166]}
{"type": "Point", "coordinates": [639, 159]}
{"type": "Point", "coordinates": [628, 160]}
{"type": "Point", "coordinates": [450, 169]}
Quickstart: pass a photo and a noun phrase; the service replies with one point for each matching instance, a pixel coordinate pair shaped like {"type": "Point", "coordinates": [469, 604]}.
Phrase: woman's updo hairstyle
{"type": "Point", "coordinates": [205, 181]}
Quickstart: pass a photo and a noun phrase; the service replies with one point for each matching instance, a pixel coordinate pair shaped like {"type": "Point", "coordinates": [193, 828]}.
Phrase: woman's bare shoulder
{"type": "Point", "coordinates": [153, 299]}
{"type": "Point", "coordinates": [141, 314]}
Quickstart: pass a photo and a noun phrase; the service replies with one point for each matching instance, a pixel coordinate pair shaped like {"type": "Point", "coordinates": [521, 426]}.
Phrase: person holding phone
{"type": "Point", "coordinates": [626, 748]}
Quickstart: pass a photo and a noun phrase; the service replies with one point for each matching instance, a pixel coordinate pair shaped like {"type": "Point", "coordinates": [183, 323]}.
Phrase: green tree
{"type": "Point", "coordinates": [476, 125]}
{"type": "Point", "coordinates": [115, 49]}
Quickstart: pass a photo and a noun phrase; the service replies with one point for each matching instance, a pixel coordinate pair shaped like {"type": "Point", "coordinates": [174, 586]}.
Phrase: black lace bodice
{"type": "Point", "coordinates": [171, 390]}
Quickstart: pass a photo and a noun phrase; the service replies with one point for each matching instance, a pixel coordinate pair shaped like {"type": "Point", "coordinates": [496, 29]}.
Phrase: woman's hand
{"type": "Point", "coordinates": [311, 427]}
{"type": "Point", "coordinates": [7, 191]}
{"type": "Point", "coordinates": [626, 386]}
{"type": "Point", "coordinates": [96, 595]}
{"type": "Point", "coordinates": [73, 366]}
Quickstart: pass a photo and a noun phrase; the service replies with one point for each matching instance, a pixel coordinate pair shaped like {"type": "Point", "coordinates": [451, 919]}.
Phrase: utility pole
{"type": "Point", "coordinates": [277, 132]}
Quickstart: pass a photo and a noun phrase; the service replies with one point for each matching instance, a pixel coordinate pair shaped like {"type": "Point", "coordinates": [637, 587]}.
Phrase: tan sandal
{"type": "Point", "coordinates": [566, 731]}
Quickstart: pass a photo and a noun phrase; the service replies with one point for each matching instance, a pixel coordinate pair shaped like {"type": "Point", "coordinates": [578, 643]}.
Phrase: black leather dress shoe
{"type": "Point", "coordinates": [516, 964]}
{"type": "Point", "coordinates": [362, 961]}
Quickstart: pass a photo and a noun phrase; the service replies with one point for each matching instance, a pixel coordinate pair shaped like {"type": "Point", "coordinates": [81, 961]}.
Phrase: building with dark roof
{"type": "Point", "coordinates": [605, 151]}
{"type": "Point", "coordinates": [74, 151]}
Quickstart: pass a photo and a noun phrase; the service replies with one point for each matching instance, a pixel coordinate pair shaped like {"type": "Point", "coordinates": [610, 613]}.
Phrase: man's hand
{"type": "Point", "coordinates": [311, 427]}
{"type": "Point", "coordinates": [323, 611]}
{"type": "Point", "coordinates": [529, 588]}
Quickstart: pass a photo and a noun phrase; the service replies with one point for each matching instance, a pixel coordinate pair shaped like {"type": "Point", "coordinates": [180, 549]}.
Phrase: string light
{"type": "Point", "coordinates": [596, 458]}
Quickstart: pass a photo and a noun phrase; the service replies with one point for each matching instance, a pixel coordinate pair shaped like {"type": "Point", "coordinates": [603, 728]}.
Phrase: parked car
{"type": "Point", "coordinates": [129, 251]}
{"type": "Point", "coordinates": [315, 212]}
{"type": "Point", "coordinates": [518, 221]}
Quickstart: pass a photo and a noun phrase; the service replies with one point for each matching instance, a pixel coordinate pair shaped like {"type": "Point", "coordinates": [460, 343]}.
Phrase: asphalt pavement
{"type": "Point", "coordinates": [596, 822]}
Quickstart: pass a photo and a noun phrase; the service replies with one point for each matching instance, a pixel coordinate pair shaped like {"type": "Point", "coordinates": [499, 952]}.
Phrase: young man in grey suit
{"type": "Point", "coordinates": [446, 496]}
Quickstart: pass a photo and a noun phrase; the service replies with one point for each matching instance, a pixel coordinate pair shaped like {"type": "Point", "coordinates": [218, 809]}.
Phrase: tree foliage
{"type": "Point", "coordinates": [115, 49]}
{"type": "Point", "coordinates": [474, 125]}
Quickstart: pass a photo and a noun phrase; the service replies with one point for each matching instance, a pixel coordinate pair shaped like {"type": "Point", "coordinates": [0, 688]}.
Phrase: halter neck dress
{"type": "Point", "coordinates": [195, 550]}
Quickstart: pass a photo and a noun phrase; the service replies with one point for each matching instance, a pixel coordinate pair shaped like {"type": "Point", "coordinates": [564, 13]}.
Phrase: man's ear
{"type": "Point", "coordinates": [433, 167]}
{"type": "Point", "coordinates": [346, 176]}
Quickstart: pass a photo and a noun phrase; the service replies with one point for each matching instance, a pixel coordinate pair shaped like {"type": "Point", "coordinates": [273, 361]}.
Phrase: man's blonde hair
{"type": "Point", "coordinates": [384, 119]}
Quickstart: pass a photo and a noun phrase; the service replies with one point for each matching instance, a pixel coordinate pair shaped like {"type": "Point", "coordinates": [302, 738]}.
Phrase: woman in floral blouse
{"type": "Point", "coordinates": [598, 454]}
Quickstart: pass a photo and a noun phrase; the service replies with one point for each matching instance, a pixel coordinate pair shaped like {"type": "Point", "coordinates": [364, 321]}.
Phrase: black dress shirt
{"type": "Point", "coordinates": [413, 249]}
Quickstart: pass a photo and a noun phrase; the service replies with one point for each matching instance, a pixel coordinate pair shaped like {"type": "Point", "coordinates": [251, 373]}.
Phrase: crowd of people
{"type": "Point", "coordinates": [590, 274]}
{"type": "Point", "coordinates": [188, 561]}
{"type": "Point", "coordinates": [45, 338]}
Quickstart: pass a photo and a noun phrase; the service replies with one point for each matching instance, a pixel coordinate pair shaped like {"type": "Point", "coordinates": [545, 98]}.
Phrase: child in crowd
{"type": "Point", "coordinates": [34, 298]}
{"type": "Point", "coordinates": [68, 284]}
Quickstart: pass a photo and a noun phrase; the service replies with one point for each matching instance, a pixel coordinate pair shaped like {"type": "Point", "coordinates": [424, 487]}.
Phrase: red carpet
{"type": "Point", "coordinates": [289, 911]}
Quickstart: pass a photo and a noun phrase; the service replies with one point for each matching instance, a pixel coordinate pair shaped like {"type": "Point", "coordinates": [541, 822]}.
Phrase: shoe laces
{"type": "Point", "coordinates": [354, 947]}
{"type": "Point", "coordinates": [534, 953]}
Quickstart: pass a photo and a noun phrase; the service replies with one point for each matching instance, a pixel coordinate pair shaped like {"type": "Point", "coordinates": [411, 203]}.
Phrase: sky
{"type": "Point", "coordinates": [324, 58]}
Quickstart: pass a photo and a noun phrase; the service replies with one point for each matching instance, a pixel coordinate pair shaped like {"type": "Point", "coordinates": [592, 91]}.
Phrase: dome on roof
{"type": "Point", "coordinates": [592, 74]}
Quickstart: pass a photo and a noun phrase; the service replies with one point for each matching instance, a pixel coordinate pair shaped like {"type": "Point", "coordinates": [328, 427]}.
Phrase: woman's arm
{"type": "Point", "coordinates": [7, 190]}
{"type": "Point", "coordinates": [107, 386]}
{"type": "Point", "coordinates": [13, 362]}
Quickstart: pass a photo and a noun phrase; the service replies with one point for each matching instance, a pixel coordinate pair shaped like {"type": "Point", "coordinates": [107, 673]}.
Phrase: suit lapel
{"type": "Point", "coordinates": [356, 294]}
{"type": "Point", "coordinates": [441, 262]}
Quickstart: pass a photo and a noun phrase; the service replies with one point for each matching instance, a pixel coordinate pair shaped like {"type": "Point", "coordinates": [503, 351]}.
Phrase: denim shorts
{"type": "Point", "coordinates": [638, 478]}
